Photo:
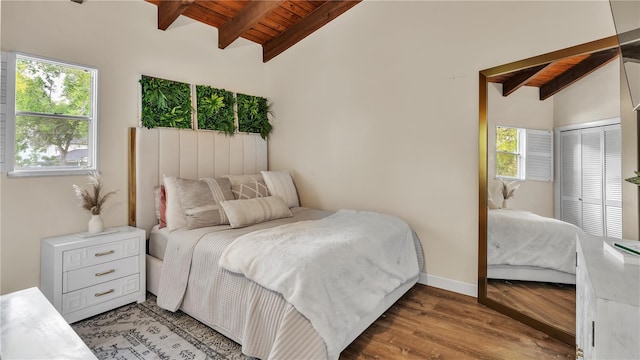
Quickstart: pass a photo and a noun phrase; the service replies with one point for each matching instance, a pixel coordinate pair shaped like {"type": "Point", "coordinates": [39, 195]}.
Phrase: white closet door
{"type": "Point", "coordinates": [571, 177]}
{"type": "Point", "coordinates": [613, 180]}
{"type": "Point", "coordinates": [592, 182]}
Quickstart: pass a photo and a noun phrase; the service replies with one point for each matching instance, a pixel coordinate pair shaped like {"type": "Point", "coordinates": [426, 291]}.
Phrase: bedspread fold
{"type": "Point", "coordinates": [334, 271]}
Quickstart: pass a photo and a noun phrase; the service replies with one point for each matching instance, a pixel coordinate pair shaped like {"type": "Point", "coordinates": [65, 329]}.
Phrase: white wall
{"type": "Point", "coordinates": [522, 109]}
{"type": "Point", "coordinates": [379, 109]}
{"type": "Point", "coordinates": [122, 40]}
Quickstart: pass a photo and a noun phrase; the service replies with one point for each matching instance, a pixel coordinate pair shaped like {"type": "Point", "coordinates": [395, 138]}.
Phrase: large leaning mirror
{"type": "Point", "coordinates": [550, 167]}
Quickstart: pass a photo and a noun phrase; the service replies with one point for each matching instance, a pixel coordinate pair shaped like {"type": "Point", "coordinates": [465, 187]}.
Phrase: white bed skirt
{"type": "Point", "coordinates": [529, 273]}
{"type": "Point", "coordinates": [154, 269]}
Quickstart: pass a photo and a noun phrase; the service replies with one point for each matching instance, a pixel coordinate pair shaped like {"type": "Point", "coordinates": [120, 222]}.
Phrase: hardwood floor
{"type": "Point", "coordinates": [556, 303]}
{"type": "Point", "coordinates": [430, 323]}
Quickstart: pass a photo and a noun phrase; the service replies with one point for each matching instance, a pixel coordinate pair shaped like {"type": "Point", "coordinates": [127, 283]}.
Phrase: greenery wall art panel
{"type": "Point", "coordinates": [165, 103]}
{"type": "Point", "coordinates": [215, 109]}
{"type": "Point", "coordinates": [253, 114]}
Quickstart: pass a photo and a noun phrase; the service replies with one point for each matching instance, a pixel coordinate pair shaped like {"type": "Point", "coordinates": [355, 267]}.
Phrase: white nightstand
{"type": "Point", "coordinates": [85, 276]}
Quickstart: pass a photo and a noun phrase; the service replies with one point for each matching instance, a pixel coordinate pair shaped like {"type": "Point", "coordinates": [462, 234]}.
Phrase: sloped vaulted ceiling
{"type": "Point", "coordinates": [275, 24]}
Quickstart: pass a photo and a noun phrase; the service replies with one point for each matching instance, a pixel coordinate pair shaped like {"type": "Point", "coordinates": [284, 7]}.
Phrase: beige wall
{"type": "Point", "coordinates": [522, 109]}
{"type": "Point", "coordinates": [379, 110]}
{"type": "Point", "coordinates": [595, 97]}
{"type": "Point", "coordinates": [122, 40]}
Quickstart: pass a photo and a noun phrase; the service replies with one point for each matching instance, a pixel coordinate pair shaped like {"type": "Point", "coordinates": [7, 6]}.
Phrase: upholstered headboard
{"type": "Point", "coordinates": [190, 154]}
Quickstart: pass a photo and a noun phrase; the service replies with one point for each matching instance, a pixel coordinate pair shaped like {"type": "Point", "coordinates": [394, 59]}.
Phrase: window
{"type": "Point", "coordinates": [52, 117]}
{"type": "Point", "coordinates": [510, 152]}
{"type": "Point", "coordinates": [524, 154]}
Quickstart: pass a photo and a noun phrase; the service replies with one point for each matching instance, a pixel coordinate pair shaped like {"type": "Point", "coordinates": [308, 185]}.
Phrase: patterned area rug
{"type": "Point", "coordinates": [144, 331]}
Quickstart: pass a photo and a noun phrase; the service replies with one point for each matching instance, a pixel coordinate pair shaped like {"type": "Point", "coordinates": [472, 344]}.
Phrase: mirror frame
{"type": "Point", "coordinates": [602, 44]}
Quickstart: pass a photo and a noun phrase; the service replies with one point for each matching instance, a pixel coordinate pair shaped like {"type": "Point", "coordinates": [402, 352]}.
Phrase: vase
{"type": "Point", "coordinates": [505, 204]}
{"type": "Point", "coordinates": [95, 224]}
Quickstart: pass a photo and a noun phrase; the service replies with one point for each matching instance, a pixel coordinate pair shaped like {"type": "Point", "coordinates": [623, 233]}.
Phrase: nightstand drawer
{"type": "Point", "coordinates": [80, 299]}
{"type": "Point", "coordinates": [96, 274]}
{"type": "Point", "coordinates": [79, 258]}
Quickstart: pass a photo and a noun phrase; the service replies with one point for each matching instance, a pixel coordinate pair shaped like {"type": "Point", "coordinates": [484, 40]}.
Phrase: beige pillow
{"type": "Point", "coordinates": [247, 212]}
{"type": "Point", "coordinates": [174, 213]}
{"type": "Point", "coordinates": [200, 201]}
{"type": "Point", "coordinates": [281, 184]}
{"type": "Point", "coordinates": [247, 186]}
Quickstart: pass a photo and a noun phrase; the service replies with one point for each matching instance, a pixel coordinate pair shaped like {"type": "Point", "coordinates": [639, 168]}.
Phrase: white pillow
{"type": "Point", "coordinates": [176, 218]}
{"type": "Point", "coordinates": [280, 184]}
{"type": "Point", "coordinates": [245, 212]}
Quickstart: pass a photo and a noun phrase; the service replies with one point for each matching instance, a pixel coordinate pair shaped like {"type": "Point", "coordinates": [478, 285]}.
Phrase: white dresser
{"type": "Point", "coordinates": [607, 304]}
{"type": "Point", "coordinates": [85, 276]}
{"type": "Point", "coordinates": [32, 329]}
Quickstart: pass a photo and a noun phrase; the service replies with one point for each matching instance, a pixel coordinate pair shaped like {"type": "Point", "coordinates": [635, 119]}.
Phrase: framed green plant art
{"type": "Point", "coordinates": [215, 109]}
{"type": "Point", "coordinates": [165, 103]}
{"type": "Point", "coordinates": [253, 114]}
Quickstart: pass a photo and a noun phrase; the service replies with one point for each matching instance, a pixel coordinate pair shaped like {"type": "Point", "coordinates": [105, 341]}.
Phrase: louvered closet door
{"type": "Point", "coordinates": [570, 177]}
{"type": "Point", "coordinates": [613, 181]}
{"type": "Point", "coordinates": [592, 181]}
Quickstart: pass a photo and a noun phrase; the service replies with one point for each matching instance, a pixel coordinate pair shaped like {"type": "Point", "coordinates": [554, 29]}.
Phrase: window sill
{"type": "Point", "coordinates": [56, 172]}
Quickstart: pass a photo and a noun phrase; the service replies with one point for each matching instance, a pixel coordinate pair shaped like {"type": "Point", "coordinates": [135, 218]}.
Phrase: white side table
{"type": "Point", "coordinates": [33, 329]}
{"type": "Point", "coordinates": [85, 276]}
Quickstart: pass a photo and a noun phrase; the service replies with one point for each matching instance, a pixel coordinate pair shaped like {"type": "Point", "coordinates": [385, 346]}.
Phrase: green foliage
{"type": "Point", "coordinates": [165, 103]}
{"type": "Point", "coordinates": [215, 109]}
{"type": "Point", "coordinates": [46, 88]}
{"type": "Point", "coordinates": [506, 152]}
{"type": "Point", "coordinates": [635, 179]}
{"type": "Point", "coordinates": [253, 114]}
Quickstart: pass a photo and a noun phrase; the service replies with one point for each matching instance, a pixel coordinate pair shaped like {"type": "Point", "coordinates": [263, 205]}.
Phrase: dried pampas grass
{"type": "Point", "coordinates": [92, 200]}
{"type": "Point", "coordinates": [508, 189]}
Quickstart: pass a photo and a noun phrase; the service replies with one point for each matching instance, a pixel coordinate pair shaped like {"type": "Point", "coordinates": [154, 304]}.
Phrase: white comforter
{"type": "Point", "coordinates": [334, 271]}
{"type": "Point", "coordinates": [523, 238]}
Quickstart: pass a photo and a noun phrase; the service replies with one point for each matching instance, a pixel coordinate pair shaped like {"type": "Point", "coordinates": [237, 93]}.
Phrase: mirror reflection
{"type": "Point", "coordinates": [553, 171]}
{"type": "Point", "coordinates": [626, 17]}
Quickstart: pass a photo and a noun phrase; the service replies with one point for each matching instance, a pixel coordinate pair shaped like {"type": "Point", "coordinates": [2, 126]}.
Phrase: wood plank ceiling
{"type": "Point", "coordinates": [553, 77]}
{"type": "Point", "coordinates": [275, 24]}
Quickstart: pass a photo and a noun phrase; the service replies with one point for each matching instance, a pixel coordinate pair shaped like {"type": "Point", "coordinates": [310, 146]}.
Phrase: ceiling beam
{"type": "Point", "coordinates": [169, 10]}
{"type": "Point", "coordinates": [520, 79]}
{"type": "Point", "coordinates": [245, 20]}
{"type": "Point", "coordinates": [582, 69]}
{"type": "Point", "coordinates": [305, 27]}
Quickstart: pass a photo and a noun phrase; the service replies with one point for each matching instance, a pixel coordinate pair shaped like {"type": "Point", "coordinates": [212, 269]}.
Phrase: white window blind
{"type": "Point", "coordinates": [539, 155]}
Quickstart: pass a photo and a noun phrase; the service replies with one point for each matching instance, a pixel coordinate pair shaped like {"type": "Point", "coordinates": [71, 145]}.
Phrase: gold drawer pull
{"type": "Point", "coordinates": [104, 293]}
{"type": "Point", "coordinates": [106, 272]}
{"type": "Point", "coordinates": [106, 253]}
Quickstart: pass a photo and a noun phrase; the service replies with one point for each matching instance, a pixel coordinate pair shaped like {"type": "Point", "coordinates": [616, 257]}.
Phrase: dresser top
{"type": "Point", "coordinates": [611, 279]}
{"type": "Point", "coordinates": [33, 329]}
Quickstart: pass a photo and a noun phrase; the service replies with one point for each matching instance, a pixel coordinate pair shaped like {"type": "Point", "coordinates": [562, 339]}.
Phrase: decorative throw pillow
{"type": "Point", "coordinates": [175, 217]}
{"type": "Point", "coordinates": [247, 212]}
{"type": "Point", "coordinates": [281, 184]}
{"type": "Point", "coordinates": [200, 201]}
{"type": "Point", "coordinates": [163, 207]}
{"type": "Point", "coordinates": [156, 202]}
{"type": "Point", "coordinates": [247, 186]}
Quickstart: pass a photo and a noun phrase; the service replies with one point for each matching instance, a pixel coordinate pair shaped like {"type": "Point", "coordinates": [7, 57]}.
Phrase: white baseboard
{"type": "Point", "coordinates": [448, 284]}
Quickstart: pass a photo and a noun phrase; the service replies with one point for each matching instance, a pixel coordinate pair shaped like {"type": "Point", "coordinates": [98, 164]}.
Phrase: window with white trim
{"type": "Point", "coordinates": [524, 154]}
{"type": "Point", "coordinates": [510, 153]}
{"type": "Point", "coordinates": [51, 117]}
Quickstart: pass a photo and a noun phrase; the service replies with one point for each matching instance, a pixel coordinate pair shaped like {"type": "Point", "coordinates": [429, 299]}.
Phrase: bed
{"type": "Point", "coordinates": [190, 269]}
{"type": "Point", "coordinates": [525, 246]}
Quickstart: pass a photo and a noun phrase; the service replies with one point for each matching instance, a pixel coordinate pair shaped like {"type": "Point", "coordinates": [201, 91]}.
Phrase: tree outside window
{"type": "Point", "coordinates": [509, 152]}
{"type": "Point", "coordinates": [54, 115]}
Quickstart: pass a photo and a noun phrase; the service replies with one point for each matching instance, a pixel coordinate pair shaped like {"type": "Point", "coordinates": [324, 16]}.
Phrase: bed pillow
{"type": "Point", "coordinates": [247, 186]}
{"type": "Point", "coordinates": [163, 207]}
{"type": "Point", "coordinates": [174, 214]}
{"type": "Point", "coordinates": [281, 184]}
{"type": "Point", "coordinates": [200, 200]}
{"type": "Point", "coordinates": [245, 212]}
